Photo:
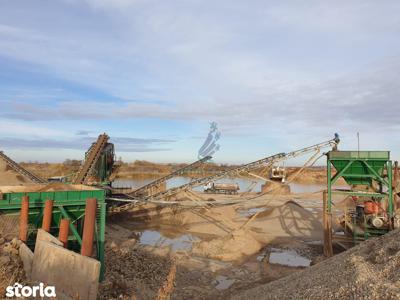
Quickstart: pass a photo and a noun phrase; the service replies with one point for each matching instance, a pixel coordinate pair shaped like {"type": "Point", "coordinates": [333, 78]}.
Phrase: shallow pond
{"type": "Point", "coordinates": [157, 239]}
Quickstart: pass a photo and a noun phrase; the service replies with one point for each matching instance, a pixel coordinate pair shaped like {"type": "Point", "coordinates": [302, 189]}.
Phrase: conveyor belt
{"type": "Point", "coordinates": [267, 161]}
{"type": "Point", "coordinates": [17, 168]}
{"type": "Point", "coordinates": [91, 159]}
{"type": "Point", "coordinates": [161, 180]}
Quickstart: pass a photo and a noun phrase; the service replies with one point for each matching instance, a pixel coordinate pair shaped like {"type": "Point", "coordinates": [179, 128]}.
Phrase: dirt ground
{"type": "Point", "coordinates": [367, 271]}
{"type": "Point", "coordinates": [205, 247]}
{"type": "Point", "coordinates": [134, 273]}
{"type": "Point", "coordinates": [11, 269]}
{"type": "Point", "coordinates": [223, 250]}
{"type": "Point", "coordinates": [9, 177]}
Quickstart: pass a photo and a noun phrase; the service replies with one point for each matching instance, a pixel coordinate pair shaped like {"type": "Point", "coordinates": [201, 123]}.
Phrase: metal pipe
{"type": "Point", "coordinates": [88, 227]}
{"type": "Point", "coordinates": [64, 232]}
{"type": "Point", "coordinates": [47, 215]}
{"type": "Point", "coordinates": [23, 219]}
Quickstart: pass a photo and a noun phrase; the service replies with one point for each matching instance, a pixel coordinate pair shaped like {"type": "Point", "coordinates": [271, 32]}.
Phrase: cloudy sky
{"type": "Point", "coordinates": [274, 75]}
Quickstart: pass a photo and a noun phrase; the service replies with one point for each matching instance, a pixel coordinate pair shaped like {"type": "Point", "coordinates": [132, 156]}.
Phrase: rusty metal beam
{"type": "Point", "coordinates": [89, 227]}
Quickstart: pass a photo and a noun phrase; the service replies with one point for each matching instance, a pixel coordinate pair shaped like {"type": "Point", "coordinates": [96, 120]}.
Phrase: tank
{"type": "Point", "coordinates": [221, 188]}
{"type": "Point", "coordinates": [359, 173]}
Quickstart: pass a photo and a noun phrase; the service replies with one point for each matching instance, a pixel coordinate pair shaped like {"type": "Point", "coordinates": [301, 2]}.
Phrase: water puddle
{"type": "Point", "coordinates": [315, 243]}
{"type": "Point", "coordinates": [127, 183]}
{"type": "Point", "coordinates": [288, 258]}
{"type": "Point", "coordinates": [156, 239]}
{"type": "Point", "coordinates": [250, 212]}
{"type": "Point", "coordinates": [223, 282]}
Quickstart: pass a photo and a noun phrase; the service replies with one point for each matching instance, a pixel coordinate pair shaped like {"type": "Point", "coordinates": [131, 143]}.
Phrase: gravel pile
{"type": "Point", "coordinates": [11, 268]}
{"type": "Point", "coordinates": [367, 271]}
{"type": "Point", "coordinates": [133, 274]}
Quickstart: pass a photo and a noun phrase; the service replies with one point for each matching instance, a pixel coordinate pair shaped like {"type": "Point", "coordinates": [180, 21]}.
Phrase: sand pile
{"type": "Point", "coordinates": [50, 187]}
{"type": "Point", "coordinates": [11, 268]}
{"type": "Point", "coordinates": [273, 187]}
{"type": "Point", "coordinates": [289, 221]}
{"type": "Point", "coordinates": [367, 271]}
{"type": "Point", "coordinates": [58, 186]}
{"type": "Point", "coordinates": [133, 273]}
{"type": "Point", "coordinates": [232, 247]}
{"type": "Point", "coordinates": [207, 221]}
{"type": "Point", "coordinates": [9, 177]}
{"type": "Point", "coordinates": [46, 170]}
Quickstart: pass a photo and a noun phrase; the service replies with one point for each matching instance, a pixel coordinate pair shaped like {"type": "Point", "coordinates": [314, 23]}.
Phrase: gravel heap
{"type": "Point", "coordinates": [11, 268]}
{"type": "Point", "coordinates": [133, 274]}
{"type": "Point", "coordinates": [367, 271]}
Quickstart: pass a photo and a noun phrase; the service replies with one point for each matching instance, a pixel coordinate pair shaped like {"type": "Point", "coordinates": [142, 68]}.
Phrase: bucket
{"type": "Point", "coordinates": [371, 207]}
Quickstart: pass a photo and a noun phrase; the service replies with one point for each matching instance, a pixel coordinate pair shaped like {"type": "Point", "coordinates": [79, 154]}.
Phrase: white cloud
{"type": "Point", "coordinates": [113, 4]}
{"type": "Point", "coordinates": [299, 64]}
{"type": "Point", "coordinates": [23, 129]}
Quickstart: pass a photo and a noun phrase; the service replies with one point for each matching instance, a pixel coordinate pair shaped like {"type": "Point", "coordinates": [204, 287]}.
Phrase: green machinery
{"type": "Point", "coordinates": [68, 205]}
{"type": "Point", "coordinates": [368, 207]}
{"type": "Point", "coordinates": [105, 164]}
{"type": "Point", "coordinates": [98, 164]}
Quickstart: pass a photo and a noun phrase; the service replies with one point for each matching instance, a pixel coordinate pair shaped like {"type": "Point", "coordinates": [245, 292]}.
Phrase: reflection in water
{"type": "Point", "coordinates": [288, 258]}
{"type": "Point", "coordinates": [244, 184]}
{"type": "Point", "coordinates": [131, 183]}
{"type": "Point", "coordinates": [155, 238]}
{"type": "Point", "coordinates": [251, 211]}
{"type": "Point", "coordinates": [223, 282]}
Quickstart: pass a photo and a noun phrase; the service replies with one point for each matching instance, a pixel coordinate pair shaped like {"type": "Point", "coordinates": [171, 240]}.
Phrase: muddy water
{"type": "Point", "coordinates": [288, 258]}
{"type": "Point", "coordinates": [218, 277]}
{"type": "Point", "coordinates": [244, 184]}
{"type": "Point", "coordinates": [157, 239]}
{"type": "Point", "coordinates": [251, 211]}
{"type": "Point", "coordinates": [223, 282]}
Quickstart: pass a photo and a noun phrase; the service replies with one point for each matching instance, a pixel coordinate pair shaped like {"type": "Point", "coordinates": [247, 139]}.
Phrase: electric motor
{"type": "Point", "coordinates": [378, 222]}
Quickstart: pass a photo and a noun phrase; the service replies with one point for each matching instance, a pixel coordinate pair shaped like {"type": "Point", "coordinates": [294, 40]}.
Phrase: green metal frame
{"type": "Point", "coordinates": [103, 168]}
{"type": "Point", "coordinates": [68, 205]}
{"type": "Point", "coordinates": [361, 168]}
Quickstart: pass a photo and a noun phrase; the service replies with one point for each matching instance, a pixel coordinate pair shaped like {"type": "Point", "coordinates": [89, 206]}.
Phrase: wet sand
{"type": "Point", "coordinates": [221, 250]}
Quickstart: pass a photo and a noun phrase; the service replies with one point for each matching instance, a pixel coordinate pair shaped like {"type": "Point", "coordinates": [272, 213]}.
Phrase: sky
{"type": "Point", "coordinates": [275, 76]}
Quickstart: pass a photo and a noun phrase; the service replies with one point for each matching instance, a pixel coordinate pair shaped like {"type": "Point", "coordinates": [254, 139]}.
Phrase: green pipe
{"type": "Point", "coordinates": [71, 226]}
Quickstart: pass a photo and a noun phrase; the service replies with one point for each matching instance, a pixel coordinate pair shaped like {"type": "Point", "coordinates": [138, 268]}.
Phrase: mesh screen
{"type": "Point", "coordinates": [9, 225]}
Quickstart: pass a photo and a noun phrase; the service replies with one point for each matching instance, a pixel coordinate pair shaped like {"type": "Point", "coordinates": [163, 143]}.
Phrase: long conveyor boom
{"type": "Point", "coordinates": [91, 159]}
{"type": "Point", "coordinates": [169, 176]}
{"type": "Point", "coordinates": [17, 168]}
{"type": "Point", "coordinates": [243, 168]}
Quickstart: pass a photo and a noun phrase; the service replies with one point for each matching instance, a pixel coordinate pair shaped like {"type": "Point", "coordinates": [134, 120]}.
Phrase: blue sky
{"type": "Point", "coordinates": [274, 75]}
